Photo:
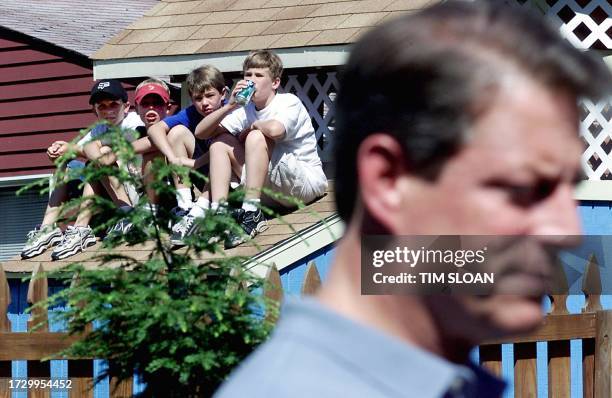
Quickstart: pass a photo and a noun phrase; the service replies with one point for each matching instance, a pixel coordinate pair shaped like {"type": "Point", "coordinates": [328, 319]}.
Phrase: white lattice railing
{"type": "Point", "coordinates": [586, 24]}
{"type": "Point", "coordinates": [596, 131]}
{"type": "Point", "coordinates": [317, 92]}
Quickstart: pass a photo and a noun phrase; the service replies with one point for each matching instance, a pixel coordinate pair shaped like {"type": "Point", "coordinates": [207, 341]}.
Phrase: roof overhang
{"type": "Point", "coordinates": [298, 246]}
{"type": "Point", "coordinates": [300, 57]}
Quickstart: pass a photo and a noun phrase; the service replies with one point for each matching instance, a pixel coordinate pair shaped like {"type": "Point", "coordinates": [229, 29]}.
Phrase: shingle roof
{"type": "Point", "coordinates": [81, 26]}
{"type": "Point", "coordinates": [188, 27]}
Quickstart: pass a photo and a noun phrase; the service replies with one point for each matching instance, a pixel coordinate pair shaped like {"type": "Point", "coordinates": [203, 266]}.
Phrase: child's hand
{"type": "Point", "coordinates": [237, 88]}
{"type": "Point", "coordinates": [57, 149]}
{"type": "Point", "coordinates": [187, 162]}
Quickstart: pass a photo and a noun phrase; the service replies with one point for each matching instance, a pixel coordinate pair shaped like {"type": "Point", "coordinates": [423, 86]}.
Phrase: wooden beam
{"type": "Point", "coordinates": [33, 346]}
{"type": "Point", "coordinates": [557, 327]}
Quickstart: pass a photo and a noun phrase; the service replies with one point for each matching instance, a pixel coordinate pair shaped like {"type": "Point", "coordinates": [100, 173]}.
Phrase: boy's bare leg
{"type": "Point", "coordinates": [258, 149]}
{"type": "Point", "coordinates": [183, 144]}
{"type": "Point", "coordinates": [85, 210]}
{"type": "Point", "coordinates": [149, 175]}
{"type": "Point", "coordinates": [226, 156]}
{"type": "Point", "coordinates": [96, 151]}
{"type": "Point", "coordinates": [59, 195]}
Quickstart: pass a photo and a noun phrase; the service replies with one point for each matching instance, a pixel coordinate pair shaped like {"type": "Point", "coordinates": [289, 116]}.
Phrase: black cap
{"type": "Point", "coordinates": [107, 89]}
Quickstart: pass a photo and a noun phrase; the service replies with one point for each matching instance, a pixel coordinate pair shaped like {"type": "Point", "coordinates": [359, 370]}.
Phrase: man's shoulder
{"type": "Point", "coordinates": [284, 367]}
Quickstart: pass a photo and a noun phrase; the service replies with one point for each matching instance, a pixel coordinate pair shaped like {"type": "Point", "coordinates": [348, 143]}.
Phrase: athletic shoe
{"type": "Point", "coordinates": [182, 229]}
{"type": "Point", "coordinates": [176, 215]}
{"type": "Point", "coordinates": [40, 239]}
{"type": "Point", "coordinates": [251, 222]}
{"type": "Point", "coordinates": [76, 239]}
{"type": "Point", "coordinates": [122, 227]}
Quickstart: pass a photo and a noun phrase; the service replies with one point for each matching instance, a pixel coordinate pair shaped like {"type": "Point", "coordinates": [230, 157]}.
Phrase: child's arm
{"type": "Point", "coordinates": [94, 150]}
{"type": "Point", "coordinates": [270, 128]}
{"type": "Point", "coordinates": [158, 133]}
{"type": "Point", "coordinates": [210, 125]}
{"type": "Point", "coordinates": [142, 145]}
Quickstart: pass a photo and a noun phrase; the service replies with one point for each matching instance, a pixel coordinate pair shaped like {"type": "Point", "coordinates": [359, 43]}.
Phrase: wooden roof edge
{"type": "Point", "coordinates": [298, 246]}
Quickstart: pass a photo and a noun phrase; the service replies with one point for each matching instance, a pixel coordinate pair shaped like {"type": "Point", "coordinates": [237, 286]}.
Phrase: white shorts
{"type": "Point", "coordinates": [291, 177]}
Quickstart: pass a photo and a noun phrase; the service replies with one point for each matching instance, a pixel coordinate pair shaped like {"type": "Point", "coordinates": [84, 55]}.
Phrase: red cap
{"type": "Point", "coordinates": [152, 88]}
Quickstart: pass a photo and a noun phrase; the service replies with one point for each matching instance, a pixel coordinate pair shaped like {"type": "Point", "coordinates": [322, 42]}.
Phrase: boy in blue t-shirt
{"type": "Point", "coordinates": [174, 136]}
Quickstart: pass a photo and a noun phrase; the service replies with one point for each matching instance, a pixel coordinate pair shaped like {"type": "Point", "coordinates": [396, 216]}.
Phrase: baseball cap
{"type": "Point", "coordinates": [152, 88]}
{"type": "Point", "coordinates": [107, 89]}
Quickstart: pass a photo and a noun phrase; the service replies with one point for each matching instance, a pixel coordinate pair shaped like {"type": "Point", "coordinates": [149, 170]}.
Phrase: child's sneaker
{"type": "Point", "coordinates": [251, 222]}
{"type": "Point", "coordinates": [40, 239]}
{"type": "Point", "coordinates": [122, 227]}
{"type": "Point", "coordinates": [187, 226]}
{"type": "Point", "coordinates": [76, 239]}
{"type": "Point", "coordinates": [176, 215]}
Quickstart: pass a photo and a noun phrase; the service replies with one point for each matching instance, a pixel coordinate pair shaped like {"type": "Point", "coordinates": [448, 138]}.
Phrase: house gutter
{"type": "Point", "coordinates": [299, 57]}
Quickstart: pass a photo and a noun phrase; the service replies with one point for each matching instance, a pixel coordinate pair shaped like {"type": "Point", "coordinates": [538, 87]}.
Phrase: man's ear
{"type": "Point", "coordinates": [126, 109]}
{"type": "Point", "coordinates": [382, 171]}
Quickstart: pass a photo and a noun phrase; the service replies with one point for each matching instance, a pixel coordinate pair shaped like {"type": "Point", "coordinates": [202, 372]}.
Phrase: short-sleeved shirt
{"type": "Point", "coordinates": [286, 108]}
{"type": "Point", "coordinates": [315, 352]}
{"type": "Point", "coordinates": [131, 122]}
{"type": "Point", "coordinates": [188, 117]}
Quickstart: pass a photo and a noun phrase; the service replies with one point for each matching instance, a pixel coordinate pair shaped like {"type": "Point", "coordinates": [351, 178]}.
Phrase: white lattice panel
{"type": "Point", "coordinates": [596, 131]}
{"type": "Point", "coordinates": [586, 24]}
{"type": "Point", "coordinates": [317, 93]}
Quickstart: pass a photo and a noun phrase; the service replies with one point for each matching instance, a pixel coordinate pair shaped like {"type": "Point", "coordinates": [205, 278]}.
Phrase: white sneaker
{"type": "Point", "coordinates": [40, 239]}
{"type": "Point", "coordinates": [76, 239]}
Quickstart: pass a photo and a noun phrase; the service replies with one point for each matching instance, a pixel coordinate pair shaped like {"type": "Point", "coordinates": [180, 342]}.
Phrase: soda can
{"type": "Point", "coordinates": [244, 96]}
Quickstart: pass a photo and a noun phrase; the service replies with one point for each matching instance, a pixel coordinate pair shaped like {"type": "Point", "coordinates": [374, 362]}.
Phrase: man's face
{"type": "Point", "coordinates": [514, 176]}
{"type": "Point", "coordinates": [151, 109]}
{"type": "Point", "coordinates": [111, 110]}
{"type": "Point", "coordinates": [208, 101]}
{"type": "Point", "coordinates": [265, 85]}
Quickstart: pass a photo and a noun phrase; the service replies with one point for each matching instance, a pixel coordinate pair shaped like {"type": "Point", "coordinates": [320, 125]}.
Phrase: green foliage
{"type": "Point", "coordinates": [181, 322]}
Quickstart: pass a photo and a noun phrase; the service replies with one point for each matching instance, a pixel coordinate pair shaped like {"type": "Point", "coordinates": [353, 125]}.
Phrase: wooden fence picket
{"type": "Point", "coordinates": [591, 287]}
{"type": "Point", "coordinates": [5, 327]}
{"type": "Point", "coordinates": [273, 292]}
{"type": "Point", "coordinates": [603, 355]}
{"type": "Point", "coordinates": [491, 358]}
{"type": "Point", "coordinates": [559, 350]}
{"type": "Point", "coordinates": [38, 290]}
{"type": "Point", "coordinates": [312, 280]}
{"type": "Point", "coordinates": [80, 371]}
{"type": "Point", "coordinates": [525, 384]}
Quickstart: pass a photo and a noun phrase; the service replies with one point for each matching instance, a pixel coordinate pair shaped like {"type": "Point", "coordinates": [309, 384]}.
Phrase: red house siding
{"type": "Point", "coordinates": [44, 93]}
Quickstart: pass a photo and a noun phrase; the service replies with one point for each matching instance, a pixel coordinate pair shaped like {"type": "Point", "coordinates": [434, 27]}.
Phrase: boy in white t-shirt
{"type": "Point", "coordinates": [268, 143]}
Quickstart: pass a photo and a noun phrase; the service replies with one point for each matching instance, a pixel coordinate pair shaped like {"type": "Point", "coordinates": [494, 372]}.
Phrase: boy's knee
{"type": "Point", "coordinates": [256, 140]}
{"type": "Point", "coordinates": [255, 137]}
{"type": "Point", "coordinates": [223, 142]}
{"type": "Point", "coordinates": [177, 132]}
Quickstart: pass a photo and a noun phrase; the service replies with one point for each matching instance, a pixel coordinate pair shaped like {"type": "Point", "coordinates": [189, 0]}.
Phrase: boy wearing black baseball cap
{"type": "Point", "coordinates": [109, 102]}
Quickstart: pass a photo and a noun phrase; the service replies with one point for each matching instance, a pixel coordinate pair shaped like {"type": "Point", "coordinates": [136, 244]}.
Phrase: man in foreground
{"type": "Point", "coordinates": [458, 120]}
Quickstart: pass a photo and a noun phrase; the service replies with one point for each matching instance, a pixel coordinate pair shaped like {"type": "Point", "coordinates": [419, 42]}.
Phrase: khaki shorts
{"type": "Point", "coordinates": [291, 177]}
